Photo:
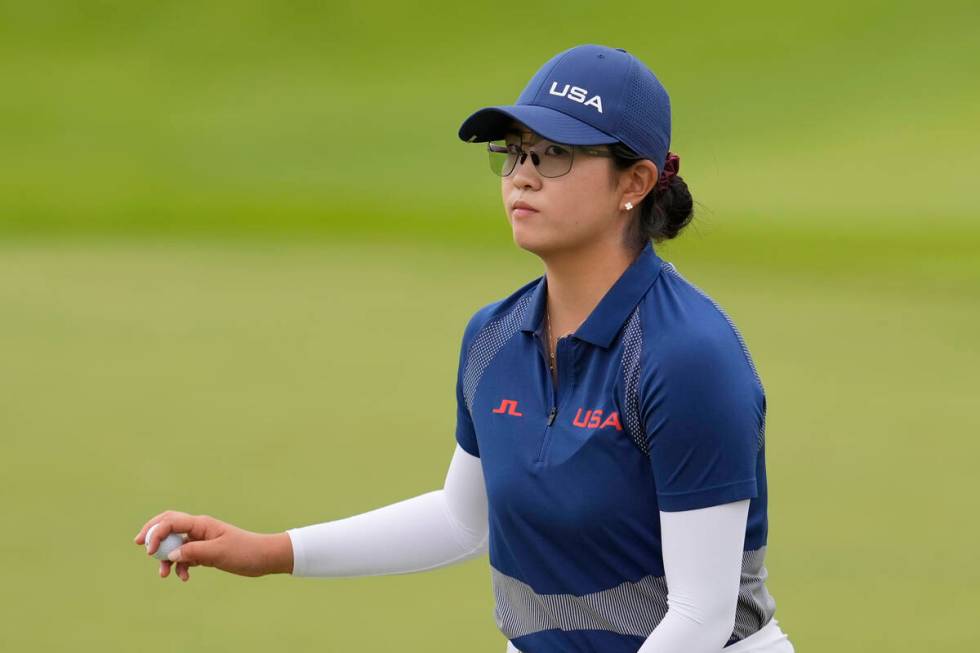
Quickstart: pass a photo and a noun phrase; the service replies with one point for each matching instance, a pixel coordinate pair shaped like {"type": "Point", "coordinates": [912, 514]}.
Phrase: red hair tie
{"type": "Point", "coordinates": [671, 167]}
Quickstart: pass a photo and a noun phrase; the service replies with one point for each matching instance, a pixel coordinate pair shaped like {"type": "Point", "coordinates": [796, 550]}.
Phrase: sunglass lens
{"type": "Point", "coordinates": [501, 161]}
{"type": "Point", "coordinates": [556, 160]}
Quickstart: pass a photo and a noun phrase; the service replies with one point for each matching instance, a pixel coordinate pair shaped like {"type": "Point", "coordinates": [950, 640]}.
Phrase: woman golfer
{"type": "Point", "coordinates": [610, 437]}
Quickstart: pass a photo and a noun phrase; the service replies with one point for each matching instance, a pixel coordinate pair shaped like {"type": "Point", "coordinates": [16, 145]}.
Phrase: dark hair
{"type": "Point", "coordinates": [662, 213]}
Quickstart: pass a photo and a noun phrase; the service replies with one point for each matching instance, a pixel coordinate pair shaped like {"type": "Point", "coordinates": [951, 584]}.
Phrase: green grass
{"type": "Point", "coordinates": [281, 383]}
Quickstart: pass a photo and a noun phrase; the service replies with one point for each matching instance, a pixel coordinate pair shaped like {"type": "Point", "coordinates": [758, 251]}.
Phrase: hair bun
{"type": "Point", "coordinates": [674, 209]}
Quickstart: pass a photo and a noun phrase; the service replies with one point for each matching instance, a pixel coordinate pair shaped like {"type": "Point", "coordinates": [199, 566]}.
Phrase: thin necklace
{"type": "Point", "coordinates": [551, 352]}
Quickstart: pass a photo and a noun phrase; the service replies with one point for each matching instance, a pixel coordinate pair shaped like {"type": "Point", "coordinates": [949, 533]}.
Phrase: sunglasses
{"type": "Point", "coordinates": [550, 159]}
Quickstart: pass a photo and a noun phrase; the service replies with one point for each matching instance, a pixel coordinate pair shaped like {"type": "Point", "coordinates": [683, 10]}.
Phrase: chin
{"type": "Point", "coordinates": [536, 243]}
{"type": "Point", "coordinates": [526, 240]}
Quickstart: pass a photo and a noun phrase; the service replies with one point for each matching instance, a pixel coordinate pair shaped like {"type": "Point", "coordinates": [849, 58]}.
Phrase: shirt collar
{"type": "Point", "coordinates": [605, 320]}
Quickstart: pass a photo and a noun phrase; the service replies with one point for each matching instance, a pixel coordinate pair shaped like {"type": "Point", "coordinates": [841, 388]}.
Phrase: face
{"type": "Point", "coordinates": [575, 210]}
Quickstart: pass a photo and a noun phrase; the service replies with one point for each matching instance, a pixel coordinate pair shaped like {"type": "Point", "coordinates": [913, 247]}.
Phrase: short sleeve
{"type": "Point", "coordinates": [465, 432]}
{"type": "Point", "coordinates": [703, 410]}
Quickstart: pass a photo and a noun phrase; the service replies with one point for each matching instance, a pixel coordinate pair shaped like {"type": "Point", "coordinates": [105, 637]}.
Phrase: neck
{"type": "Point", "coordinates": [578, 279]}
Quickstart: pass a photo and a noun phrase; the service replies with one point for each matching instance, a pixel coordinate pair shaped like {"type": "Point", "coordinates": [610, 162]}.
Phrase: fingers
{"type": "Point", "coordinates": [197, 527]}
{"type": "Point", "coordinates": [139, 536]}
{"type": "Point", "coordinates": [182, 570]}
{"type": "Point", "coordinates": [157, 533]}
{"type": "Point", "coordinates": [192, 553]}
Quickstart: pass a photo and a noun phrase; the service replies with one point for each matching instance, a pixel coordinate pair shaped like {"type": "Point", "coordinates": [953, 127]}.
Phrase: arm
{"type": "Point", "coordinates": [703, 410]}
{"type": "Point", "coordinates": [702, 551]}
{"type": "Point", "coordinates": [431, 530]}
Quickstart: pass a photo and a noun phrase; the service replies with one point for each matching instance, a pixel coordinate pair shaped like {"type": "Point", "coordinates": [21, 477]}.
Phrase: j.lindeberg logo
{"type": "Point", "coordinates": [508, 407]}
{"type": "Point", "coordinates": [578, 94]}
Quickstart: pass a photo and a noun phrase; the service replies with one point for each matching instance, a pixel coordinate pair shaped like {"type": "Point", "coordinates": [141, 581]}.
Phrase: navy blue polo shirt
{"type": "Point", "coordinates": [658, 406]}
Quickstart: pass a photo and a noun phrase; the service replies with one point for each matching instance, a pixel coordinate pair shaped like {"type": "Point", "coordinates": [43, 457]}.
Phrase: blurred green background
{"type": "Point", "coordinates": [239, 243]}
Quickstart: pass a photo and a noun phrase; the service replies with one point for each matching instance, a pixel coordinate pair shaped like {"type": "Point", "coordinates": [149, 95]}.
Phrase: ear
{"type": "Point", "coordinates": [637, 181]}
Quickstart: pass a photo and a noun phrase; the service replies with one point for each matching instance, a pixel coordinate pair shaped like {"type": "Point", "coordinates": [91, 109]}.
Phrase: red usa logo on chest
{"type": "Point", "coordinates": [593, 419]}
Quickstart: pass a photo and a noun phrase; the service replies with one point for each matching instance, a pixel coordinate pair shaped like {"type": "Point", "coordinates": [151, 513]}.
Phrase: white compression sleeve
{"type": "Point", "coordinates": [431, 530]}
{"type": "Point", "coordinates": [702, 552]}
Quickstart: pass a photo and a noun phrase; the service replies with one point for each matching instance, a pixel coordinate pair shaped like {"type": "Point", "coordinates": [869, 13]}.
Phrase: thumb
{"type": "Point", "coordinates": [201, 552]}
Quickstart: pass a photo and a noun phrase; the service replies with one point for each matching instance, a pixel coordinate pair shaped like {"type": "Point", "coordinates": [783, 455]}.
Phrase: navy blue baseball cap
{"type": "Point", "coordinates": [587, 95]}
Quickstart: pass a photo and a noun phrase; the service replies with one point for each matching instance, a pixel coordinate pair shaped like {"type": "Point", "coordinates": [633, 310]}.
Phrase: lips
{"type": "Point", "coordinates": [522, 208]}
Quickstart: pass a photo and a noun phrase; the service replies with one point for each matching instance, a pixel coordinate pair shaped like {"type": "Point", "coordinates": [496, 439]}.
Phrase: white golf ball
{"type": "Point", "coordinates": [167, 544]}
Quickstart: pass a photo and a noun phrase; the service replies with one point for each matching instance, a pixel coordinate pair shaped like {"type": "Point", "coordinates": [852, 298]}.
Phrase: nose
{"type": "Point", "coordinates": [525, 174]}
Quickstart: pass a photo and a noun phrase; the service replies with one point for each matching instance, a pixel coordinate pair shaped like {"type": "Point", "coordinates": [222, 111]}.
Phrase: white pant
{"type": "Point", "coordinates": [770, 639]}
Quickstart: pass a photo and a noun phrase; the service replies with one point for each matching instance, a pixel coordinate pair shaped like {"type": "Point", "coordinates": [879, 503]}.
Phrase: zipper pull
{"type": "Point", "coordinates": [551, 415]}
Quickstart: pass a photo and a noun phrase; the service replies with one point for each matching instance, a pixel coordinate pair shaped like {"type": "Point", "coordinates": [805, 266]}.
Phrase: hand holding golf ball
{"type": "Point", "coordinates": [189, 540]}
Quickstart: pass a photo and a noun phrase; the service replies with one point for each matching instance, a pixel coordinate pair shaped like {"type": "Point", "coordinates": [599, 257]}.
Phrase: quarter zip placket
{"type": "Point", "coordinates": [553, 392]}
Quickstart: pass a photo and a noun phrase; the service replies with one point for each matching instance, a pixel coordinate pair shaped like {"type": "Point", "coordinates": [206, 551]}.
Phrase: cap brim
{"type": "Point", "coordinates": [489, 123]}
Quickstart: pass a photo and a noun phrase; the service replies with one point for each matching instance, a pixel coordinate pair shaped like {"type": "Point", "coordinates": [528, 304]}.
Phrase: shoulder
{"type": "Point", "coordinates": [697, 382]}
{"type": "Point", "coordinates": [510, 309]}
{"type": "Point", "coordinates": [685, 331]}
